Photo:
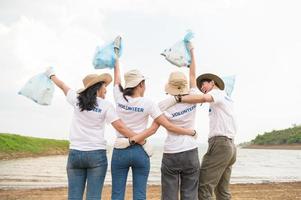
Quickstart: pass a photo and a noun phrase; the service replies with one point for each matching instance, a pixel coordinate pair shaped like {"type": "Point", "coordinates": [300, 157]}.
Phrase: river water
{"type": "Point", "coordinates": [252, 166]}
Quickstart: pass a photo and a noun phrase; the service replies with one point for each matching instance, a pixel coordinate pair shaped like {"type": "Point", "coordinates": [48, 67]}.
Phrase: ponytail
{"type": "Point", "coordinates": [126, 92]}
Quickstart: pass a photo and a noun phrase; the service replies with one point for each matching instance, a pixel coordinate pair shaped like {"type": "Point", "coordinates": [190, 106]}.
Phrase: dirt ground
{"type": "Point", "coordinates": [266, 191]}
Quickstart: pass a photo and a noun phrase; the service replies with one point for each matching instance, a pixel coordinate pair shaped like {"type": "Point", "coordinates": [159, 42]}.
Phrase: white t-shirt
{"type": "Point", "coordinates": [221, 115]}
{"type": "Point", "coordinates": [182, 115]}
{"type": "Point", "coordinates": [135, 112]}
{"type": "Point", "coordinates": [87, 127]}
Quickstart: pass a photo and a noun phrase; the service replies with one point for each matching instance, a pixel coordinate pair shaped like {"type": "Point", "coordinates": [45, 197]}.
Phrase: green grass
{"type": "Point", "coordinates": [279, 137]}
{"type": "Point", "coordinates": [11, 144]}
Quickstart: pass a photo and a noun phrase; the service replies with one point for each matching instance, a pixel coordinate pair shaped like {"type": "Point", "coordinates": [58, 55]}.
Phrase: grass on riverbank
{"type": "Point", "coordinates": [280, 137]}
{"type": "Point", "coordinates": [17, 146]}
{"type": "Point", "coordinates": [289, 138]}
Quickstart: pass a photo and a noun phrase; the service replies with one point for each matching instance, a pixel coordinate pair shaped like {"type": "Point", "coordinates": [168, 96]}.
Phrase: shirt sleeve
{"type": "Point", "coordinates": [167, 103]}
{"type": "Point", "coordinates": [217, 95]}
{"type": "Point", "coordinates": [194, 90]}
{"type": "Point", "coordinates": [117, 93]}
{"type": "Point", "coordinates": [168, 115]}
{"type": "Point", "coordinates": [154, 110]}
{"type": "Point", "coordinates": [71, 97]}
{"type": "Point", "coordinates": [111, 114]}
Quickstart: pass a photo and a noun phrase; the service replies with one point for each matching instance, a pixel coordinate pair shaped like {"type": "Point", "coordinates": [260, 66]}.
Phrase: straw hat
{"type": "Point", "coordinates": [133, 78]}
{"type": "Point", "coordinates": [177, 84]}
{"type": "Point", "coordinates": [217, 80]}
{"type": "Point", "coordinates": [92, 79]}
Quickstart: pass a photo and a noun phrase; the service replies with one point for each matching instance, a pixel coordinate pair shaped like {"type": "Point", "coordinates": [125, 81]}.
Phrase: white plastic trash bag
{"type": "Point", "coordinates": [179, 54]}
{"type": "Point", "coordinates": [229, 84]}
{"type": "Point", "coordinates": [39, 88]}
{"type": "Point", "coordinates": [105, 56]}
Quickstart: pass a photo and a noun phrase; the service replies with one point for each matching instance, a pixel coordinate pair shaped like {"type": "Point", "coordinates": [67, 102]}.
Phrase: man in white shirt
{"type": "Point", "coordinates": [221, 154]}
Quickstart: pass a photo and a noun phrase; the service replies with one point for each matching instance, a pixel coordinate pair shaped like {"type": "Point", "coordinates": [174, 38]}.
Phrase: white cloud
{"type": "Point", "coordinates": [256, 40]}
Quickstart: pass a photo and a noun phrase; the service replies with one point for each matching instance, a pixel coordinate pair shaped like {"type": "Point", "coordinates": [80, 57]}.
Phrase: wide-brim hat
{"type": "Point", "coordinates": [177, 84]}
{"type": "Point", "coordinates": [133, 78]}
{"type": "Point", "coordinates": [208, 76]}
{"type": "Point", "coordinates": [92, 79]}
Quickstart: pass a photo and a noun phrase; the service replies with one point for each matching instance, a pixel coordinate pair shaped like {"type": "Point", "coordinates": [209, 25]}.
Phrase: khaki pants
{"type": "Point", "coordinates": [216, 169]}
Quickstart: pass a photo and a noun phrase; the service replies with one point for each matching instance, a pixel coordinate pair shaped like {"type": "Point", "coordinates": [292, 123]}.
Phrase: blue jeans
{"type": "Point", "coordinates": [122, 159]}
{"type": "Point", "coordinates": [86, 166]}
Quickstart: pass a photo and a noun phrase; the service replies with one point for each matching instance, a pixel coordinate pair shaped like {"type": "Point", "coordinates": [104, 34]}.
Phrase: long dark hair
{"type": "Point", "coordinates": [87, 99]}
{"type": "Point", "coordinates": [128, 91]}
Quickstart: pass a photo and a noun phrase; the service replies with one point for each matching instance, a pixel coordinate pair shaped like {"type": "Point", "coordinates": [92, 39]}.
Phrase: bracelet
{"type": "Point", "coordinates": [194, 133]}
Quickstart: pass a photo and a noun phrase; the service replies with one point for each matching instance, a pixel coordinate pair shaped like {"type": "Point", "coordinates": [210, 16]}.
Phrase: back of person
{"type": "Point", "coordinates": [221, 114]}
{"type": "Point", "coordinates": [87, 158]}
{"type": "Point", "coordinates": [180, 162]}
{"type": "Point", "coordinates": [134, 112]}
{"type": "Point", "coordinates": [183, 115]}
{"type": "Point", "coordinates": [87, 127]}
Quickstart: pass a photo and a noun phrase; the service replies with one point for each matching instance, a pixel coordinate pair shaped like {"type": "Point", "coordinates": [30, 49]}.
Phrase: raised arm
{"type": "Point", "coordinates": [162, 120]}
{"type": "Point", "coordinates": [117, 79]}
{"type": "Point", "coordinates": [60, 84]}
{"type": "Point", "coordinates": [51, 75]}
{"type": "Point", "coordinates": [192, 81]}
{"type": "Point", "coordinates": [117, 46]}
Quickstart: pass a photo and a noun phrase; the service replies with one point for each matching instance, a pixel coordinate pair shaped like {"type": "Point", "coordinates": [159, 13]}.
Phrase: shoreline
{"type": "Point", "coordinates": [275, 147]}
{"type": "Point", "coordinates": [19, 155]}
{"type": "Point", "coordinates": [262, 191]}
{"type": "Point", "coordinates": [55, 152]}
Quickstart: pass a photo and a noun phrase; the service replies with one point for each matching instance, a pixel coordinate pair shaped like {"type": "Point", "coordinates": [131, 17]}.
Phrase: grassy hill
{"type": "Point", "coordinates": [290, 137]}
{"type": "Point", "coordinates": [16, 146]}
{"type": "Point", "coordinates": [276, 137]}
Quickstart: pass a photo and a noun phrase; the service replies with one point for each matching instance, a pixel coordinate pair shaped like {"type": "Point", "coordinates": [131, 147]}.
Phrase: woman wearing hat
{"type": "Point", "coordinates": [180, 163]}
{"type": "Point", "coordinates": [87, 160]}
{"type": "Point", "coordinates": [134, 109]}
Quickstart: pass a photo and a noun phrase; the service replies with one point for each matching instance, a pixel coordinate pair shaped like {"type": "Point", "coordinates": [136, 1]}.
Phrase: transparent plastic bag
{"type": "Point", "coordinates": [229, 82]}
{"type": "Point", "coordinates": [179, 54]}
{"type": "Point", "coordinates": [39, 88]}
{"type": "Point", "coordinates": [105, 56]}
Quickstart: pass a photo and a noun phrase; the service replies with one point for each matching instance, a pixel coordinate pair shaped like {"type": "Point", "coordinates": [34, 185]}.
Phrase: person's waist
{"type": "Point", "coordinates": [136, 130]}
{"type": "Point", "coordinates": [220, 136]}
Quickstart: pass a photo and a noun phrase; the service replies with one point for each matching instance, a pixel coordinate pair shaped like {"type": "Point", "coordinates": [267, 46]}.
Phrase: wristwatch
{"type": "Point", "coordinates": [132, 142]}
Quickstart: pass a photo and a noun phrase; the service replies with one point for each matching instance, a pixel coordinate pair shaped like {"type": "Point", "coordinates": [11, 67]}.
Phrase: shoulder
{"type": "Point", "coordinates": [218, 95]}
{"type": "Point", "coordinates": [71, 92]}
{"type": "Point", "coordinates": [105, 103]}
{"type": "Point", "coordinates": [147, 101]}
{"type": "Point", "coordinates": [71, 96]}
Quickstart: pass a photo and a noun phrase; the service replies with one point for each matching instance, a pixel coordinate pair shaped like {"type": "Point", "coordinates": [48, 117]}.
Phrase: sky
{"type": "Point", "coordinates": [258, 41]}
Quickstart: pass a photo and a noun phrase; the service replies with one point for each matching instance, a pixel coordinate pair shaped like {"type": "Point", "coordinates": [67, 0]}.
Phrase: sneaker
{"type": "Point", "coordinates": [117, 45]}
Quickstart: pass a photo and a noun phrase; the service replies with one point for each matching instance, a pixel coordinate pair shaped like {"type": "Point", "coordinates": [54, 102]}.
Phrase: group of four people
{"type": "Point", "coordinates": [181, 172]}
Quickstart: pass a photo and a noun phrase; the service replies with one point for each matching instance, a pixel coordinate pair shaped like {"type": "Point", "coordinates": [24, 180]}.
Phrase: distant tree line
{"type": "Point", "coordinates": [286, 136]}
